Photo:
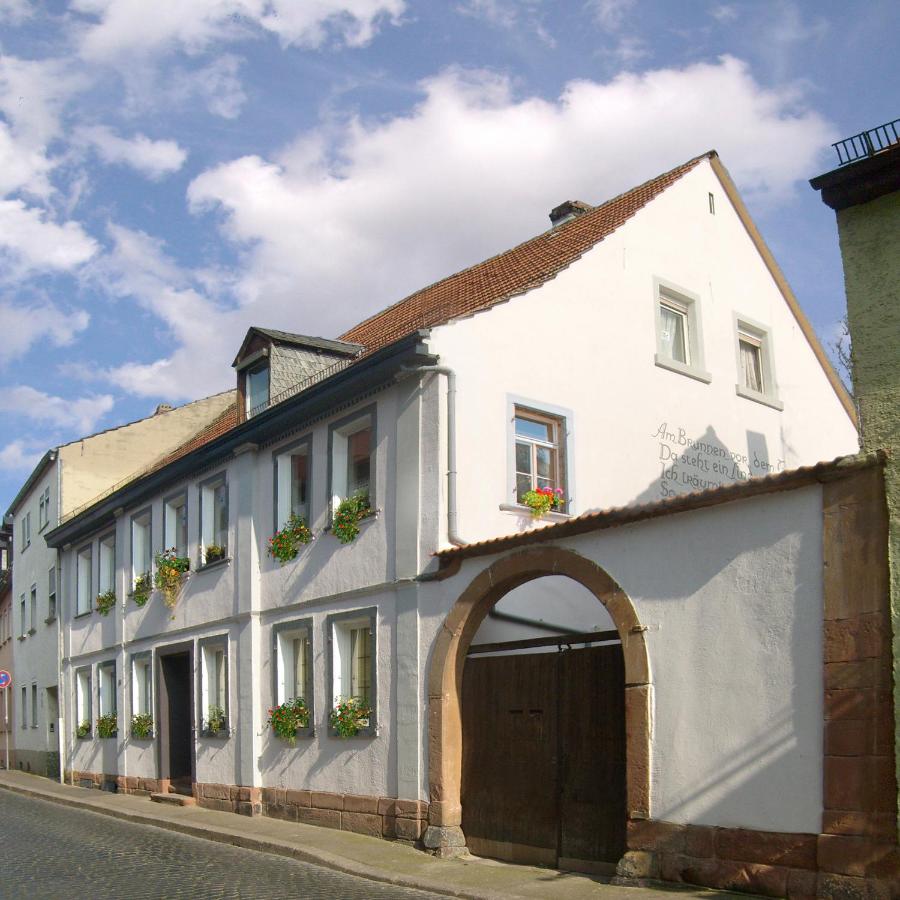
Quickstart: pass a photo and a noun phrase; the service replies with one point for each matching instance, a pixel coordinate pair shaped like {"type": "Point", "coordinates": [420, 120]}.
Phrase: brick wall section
{"type": "Point", "coordinates": [383, 817]}
{"type": "Point", "coordinates": [245, 801]}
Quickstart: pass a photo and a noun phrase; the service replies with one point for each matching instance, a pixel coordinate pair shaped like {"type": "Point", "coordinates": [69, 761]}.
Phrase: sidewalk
{"type": "Point", "coordinates": [344, 851]}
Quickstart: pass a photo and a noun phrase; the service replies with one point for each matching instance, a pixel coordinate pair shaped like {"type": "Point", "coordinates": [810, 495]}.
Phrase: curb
{"type": "Point", "coordinates": [316, 857]}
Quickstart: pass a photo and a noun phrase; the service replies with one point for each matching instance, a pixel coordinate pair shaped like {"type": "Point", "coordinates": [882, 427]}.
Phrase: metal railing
{"type": "Point", "coordinates": [867, 143]}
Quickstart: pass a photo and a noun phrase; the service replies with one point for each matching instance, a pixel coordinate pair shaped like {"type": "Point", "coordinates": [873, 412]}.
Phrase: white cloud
{"type": "Point", "coordinates": [31, 241]}
{"type": "Point", "coordinates": [15, 11]}
{"type": "Point", "coordinates": [80, 413]}
{"type": "Point", "coordinates": [20, 456]}
{"type": "Point", "coordinates": [122, 27]}
{"type": "Point", "coordinates": [610, 15]}
{"type": "Point", "coordinates": [23, 326]}
{"type": "Point", "coordinates": [724, 12]}
{"type": "Point", "coordinates": [217, 84]}
{"type": "Point", "coordinates": [155, 159]}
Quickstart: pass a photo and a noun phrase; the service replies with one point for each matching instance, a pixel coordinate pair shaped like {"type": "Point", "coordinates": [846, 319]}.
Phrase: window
{"type": "Point", "coordinates": [33, 620]}
{"type": "Point", "coordinates": [176, 525]}
{"type": "Point", "coordinates": [292, 466]}
{"type": "Point", "coordinates": [539, 456]}
{"type": "Point", "coordinates": [352, 638]}
{"type": "Point", "coordinates": [23, 622]}
{"type": "Point", "coordinates": [51, 594]}
{"type": "Point", "coordinates": [756, 368]}
{"type": "Point", "coordinates": [257, 391]}
{"type": "Point", "coordinates": [293, 662]}
{"type": "Point", "coordinates": [141, 544]}
{"type": "Point", "coordinates": [678, 340]}
{"type": "Point", "coordinates": [107, 564]}
{"type": "Point", "coordinates": [44, 509]}
{"type": "Point", "coordinates": [352, 457]}
{"type": "Point", "coordinates": [214, 684]}
{"type": "Point", "coordinates": [213, 517]}
{"type": "Point", "coordinates": [26, 530]}
{"type": "Point", "coordinates": [83, 714]}
{"type": "Point", "coordinates": [23, 715]}
{"type": "Point", "coordinates": [84, 598]}
{"type": "Point", "coordinates": [106, 673]}
{"type": "Point", "coordinates": [141, 684]}
{"type": "Point", "coordinates": [34, 706]}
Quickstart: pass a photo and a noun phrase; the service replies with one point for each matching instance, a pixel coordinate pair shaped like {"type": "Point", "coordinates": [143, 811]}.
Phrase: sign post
{"type": "Point", "coordinates": [5, 684]}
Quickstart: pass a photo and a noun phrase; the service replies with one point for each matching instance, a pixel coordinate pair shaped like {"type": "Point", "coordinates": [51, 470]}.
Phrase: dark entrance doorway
{"type": "Point", "coordinates": [543, 762]}
{"type": "Point", "coordinates": [176, 739]}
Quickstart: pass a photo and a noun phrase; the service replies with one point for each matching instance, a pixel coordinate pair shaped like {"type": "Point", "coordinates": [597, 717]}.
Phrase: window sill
{"type": "Point", "coordinates": [21, 637]}
{"type": "Point", "coordinates": [375, 514]}
{"type": "Point", "coordinates": [143, 740]}
{"type": "Point", "coordinates": [682, 369]}
{"type": "Point", "coordinates": [32, 631]}
{"type": "Point", "coordinates": [213, 565]}
{"type": "Point", "coordinates": [521, 510]}
{"type": "Point", "coordinates": [83, 737]}
{"type": "Point", "coordinates": [757, 397]}
{"type": "Point", "coordinates": [81, 615]}
{"type": "Point", "coordinates": [49, 620]}
{"type": "Point", "coordinates": [222, 735]}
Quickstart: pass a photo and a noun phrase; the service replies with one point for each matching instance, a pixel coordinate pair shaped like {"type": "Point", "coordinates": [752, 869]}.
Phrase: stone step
{"type": "Point", "coordinates": [173, 799]}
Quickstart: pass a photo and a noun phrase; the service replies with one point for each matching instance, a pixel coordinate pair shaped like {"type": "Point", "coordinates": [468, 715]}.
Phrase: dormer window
{"type": "Point", "coordinates": [257, 387]}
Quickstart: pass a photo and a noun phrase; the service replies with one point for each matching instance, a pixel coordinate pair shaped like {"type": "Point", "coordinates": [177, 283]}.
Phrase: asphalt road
{"type": "Point", "coordinates": [49, 851]}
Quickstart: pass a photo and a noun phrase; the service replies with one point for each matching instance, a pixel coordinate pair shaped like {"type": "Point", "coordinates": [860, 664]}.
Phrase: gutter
{"type": "Point", "coordinates": [370, 373]}
{"type": "Point", "coordinates": [452, 515]}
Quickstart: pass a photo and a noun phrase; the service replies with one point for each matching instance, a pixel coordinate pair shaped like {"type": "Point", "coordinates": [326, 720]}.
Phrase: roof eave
{"type": "Point", "coordinates": [33, 478]}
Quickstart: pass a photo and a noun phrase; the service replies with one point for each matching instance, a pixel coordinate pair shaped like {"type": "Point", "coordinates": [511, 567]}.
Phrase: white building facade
{"type": "Point", "coordinates": [660, 353]}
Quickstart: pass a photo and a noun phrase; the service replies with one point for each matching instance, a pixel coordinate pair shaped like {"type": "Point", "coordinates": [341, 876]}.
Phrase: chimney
{"type": "Point", "coordinates": [163, 408]}
{"type": "Point", "coordinates": [568, 210]}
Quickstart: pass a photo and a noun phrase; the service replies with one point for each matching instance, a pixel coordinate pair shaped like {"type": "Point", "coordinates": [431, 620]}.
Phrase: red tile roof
{"type": "Point", "coordinates": [225, 421]}
{"type": "Point", "coordinates": [517, 270]}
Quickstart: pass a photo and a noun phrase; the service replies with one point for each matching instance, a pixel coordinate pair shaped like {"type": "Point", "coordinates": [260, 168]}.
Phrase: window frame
{"type": "Point", "coordinates": [32, 609]}
{"type": "Point", "coordinates": [107, 704]}
{"type": "Point", "coordinates": [44, 509]}
{"type": "Point", "coordinates": [34, 705]}
{"type": "Point", "coordinates": [84, 699]}
{"type": "Point", "coordinates": [103, 541]}
{"type": "Point", "coordinates": [761, 335]}
{"type": "Point", "coordinates": [26, 532]}
{"type": "Point", "coordinates": [167, 506]}
{"type": "Point", "coordinates": [23, 717]}
{"type": "Point", "coordinates": [295, 625]}
{"type": "Point", "coordinates": [204, 645]}
{"type": "Point", "coordinates": [143, 658]}
{"type": "Point", "coordinates": [52, 588]}
{"type": "Point", "coordinates": [148, 512]}
{"type": "Point", "coordinates": [344, 622]}
{"type": "Point", "coordinates": [256, 367]}
{"type": "Point", "coordinates": [565, 420]}
{"type": "Point", "coordinates": [340, 429]}
{"type": "Point", "coordinates": [23, 631]}
{"type": "Point", "coordinates": [277, 455]}
{"type": "Point", "coordinates": [687, 304]}
{"type": "Point", "coordinates": [210, 484]}
{"type": "Point", "coordinates": [79, 555]}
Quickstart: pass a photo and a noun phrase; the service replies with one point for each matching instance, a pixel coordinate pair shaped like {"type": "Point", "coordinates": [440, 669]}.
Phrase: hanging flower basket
{"type": "Point", "coordinates": [285, 544]}
{"type": "Point", "coordinates": [287, 718]}
{"type": "Point", "coordinates": [543, 500]}
{"type": "Point", "coordinates": [350, 716]}
{"type": "Point", "coordinates": [169, 570]}
{"type": "Point", "coordinates": [105, 602]}
{"type": "Point", "coordinates": [83, 730]}
{"type": "Point", "coordinates": [143, 586]}
{"type": "Point", "coordinates": [214, 553]}
{"type": "Point", "coordinates": [215, 722]}
{"type": "Point", "coordinates": [107, 725]}
{"type": "Point", "coordinates": [349, 514]}
{"type": "Point", "coordinates": [142, 726]}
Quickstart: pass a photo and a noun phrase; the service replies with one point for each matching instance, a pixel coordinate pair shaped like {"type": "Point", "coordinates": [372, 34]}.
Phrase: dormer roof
{"type": "Point", "coordinates": [287, 338]}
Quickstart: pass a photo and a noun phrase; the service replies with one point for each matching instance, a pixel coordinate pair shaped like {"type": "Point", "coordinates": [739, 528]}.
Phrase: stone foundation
{"type": "Point", "coordinates": [383, 817]}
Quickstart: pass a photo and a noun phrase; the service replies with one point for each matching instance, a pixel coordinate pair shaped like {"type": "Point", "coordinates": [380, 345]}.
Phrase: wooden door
{"type": "Point", "coordinates": [509, 776]}
{"type": "Point", "coordinates": [543, 776]}
{"type": "Point", "coordinates": [592, 758]}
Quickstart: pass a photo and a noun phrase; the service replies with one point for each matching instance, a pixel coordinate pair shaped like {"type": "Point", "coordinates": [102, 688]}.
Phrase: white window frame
{"type": "Point", "coordinates": [339, 434]}
{"type": "Point", "coordinates": [107, 688]}
{"type": "Point", "coordinates": [208, 529]}
{"type": "Point", "coordinates": [44, 509]}
{"type": "Point", "coordinates": [340, 628]}
{"type": "Point", "coordinates": [141, 544]}
{"type": "Point", "coordinates": [214, 680]}
{"type": "Point", "coordinates": [284, 481]}
{"type": "Point", "coordinates": [257, 368]}
{"type": "Point", "coordinates": [33, 610]}
{"type": "Point", "coordinates": [51, 594]}
{"type": "Point", "coordinates": [83, 705]}
{"type": "Point", "coordinates": [23, 618]}
{"type": "Point", "coordinates": [565, 422]}
{"type": "Point", "coordinates": [34, 705]}
{"type": "Point", "coordinates": [106, 575]}
{"type": "Point", "coordinates": [687, 304]}
{"type": "Point", "coordinates": [84, 577]}
{"type": "Point", "coordinates": [285, 638]}
{"type": "Point", "coordinates": [175, 524]}
{"type": "Point", "coordinates": [761, 336]}
{"type": "Point", "coordinates": [23, 718]}
{"type": "Point", "coordinates": [25, 522]}
{"type": "Point", "coordinates": [142, 683]}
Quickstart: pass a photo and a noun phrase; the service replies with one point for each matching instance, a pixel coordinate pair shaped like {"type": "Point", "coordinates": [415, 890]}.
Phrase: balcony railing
{"type": "Point", "coordinates": [868, 143]}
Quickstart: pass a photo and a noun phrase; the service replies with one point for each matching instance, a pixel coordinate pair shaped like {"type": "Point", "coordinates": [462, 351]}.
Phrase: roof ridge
{"type": "Point", "coordinates": [545, 271]}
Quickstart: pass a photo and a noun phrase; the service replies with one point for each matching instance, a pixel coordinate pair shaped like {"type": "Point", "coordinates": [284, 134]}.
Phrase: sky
{"type": "Point", "coordinates": [173, 172]}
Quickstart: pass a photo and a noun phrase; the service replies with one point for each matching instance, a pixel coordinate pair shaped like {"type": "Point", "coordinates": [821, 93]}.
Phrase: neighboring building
{"type": "Point", "coordinates": [7, 697]}
{"type": "Point", "coordinates": [864, 191]}
{"type": "Point", "coordinates": [632, 354]}
{"type": "Point", "coordinates": [62, 481]}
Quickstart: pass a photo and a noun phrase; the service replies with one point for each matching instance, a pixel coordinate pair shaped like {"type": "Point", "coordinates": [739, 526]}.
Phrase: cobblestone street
{"type": "Point", "coordinates": [51, 851]}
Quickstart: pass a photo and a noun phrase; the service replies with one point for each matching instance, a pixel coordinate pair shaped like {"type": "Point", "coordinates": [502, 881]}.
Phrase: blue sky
{"type": "Point", "coordinates": [173, 172]}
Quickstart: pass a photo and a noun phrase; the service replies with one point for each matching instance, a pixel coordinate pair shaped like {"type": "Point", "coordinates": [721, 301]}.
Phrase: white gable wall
{"type": "Point", "coordinates": [585, 341]}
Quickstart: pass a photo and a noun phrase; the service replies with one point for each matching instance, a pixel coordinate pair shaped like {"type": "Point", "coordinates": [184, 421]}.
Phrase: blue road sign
{"type": "Point", "coordinates": [5, 679]}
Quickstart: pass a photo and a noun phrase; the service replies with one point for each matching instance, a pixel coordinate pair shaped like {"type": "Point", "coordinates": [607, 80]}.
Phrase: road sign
{"type": "Point", "coordinates": [5, 679]}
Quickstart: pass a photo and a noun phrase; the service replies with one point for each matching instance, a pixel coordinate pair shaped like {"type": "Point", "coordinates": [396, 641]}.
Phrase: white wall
{"type": "Point", "coordinates": [586, 341]}
{"type": "Point", "coordinates": [732, 600]}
